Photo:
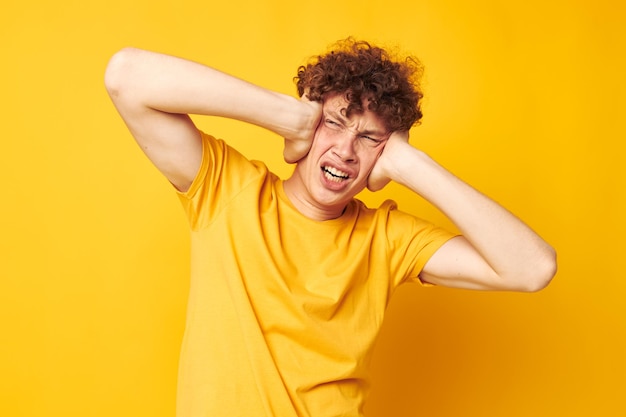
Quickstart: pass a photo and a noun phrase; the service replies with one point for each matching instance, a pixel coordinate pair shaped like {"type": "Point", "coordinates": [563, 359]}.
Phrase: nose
{"type": "Point", "coordinates": [344, 147]}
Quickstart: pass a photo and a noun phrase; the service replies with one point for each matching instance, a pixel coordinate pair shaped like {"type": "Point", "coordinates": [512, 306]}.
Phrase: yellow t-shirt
{"type": "Point", "coordinates": [284, 310]}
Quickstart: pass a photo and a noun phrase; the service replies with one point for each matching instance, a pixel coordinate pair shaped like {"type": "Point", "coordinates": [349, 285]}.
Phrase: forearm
{"type": "Point", "coordinates": [518, 257]}
{"type": "Point", "coordinates": [173, 85]}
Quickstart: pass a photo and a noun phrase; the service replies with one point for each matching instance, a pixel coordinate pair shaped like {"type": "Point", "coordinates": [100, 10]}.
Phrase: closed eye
{"type": "Point", "coordinates": [371, 139]}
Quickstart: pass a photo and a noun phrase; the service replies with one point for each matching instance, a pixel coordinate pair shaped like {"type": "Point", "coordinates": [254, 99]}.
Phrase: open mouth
{"type": "Point", "coordinates": [333, 174]}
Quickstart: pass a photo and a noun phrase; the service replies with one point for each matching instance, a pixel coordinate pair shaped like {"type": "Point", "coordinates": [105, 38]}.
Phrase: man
{"type": "Point", "coordinates": [290, 279]}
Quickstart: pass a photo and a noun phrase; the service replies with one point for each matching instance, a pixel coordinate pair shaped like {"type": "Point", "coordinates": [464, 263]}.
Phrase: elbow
{"type": "Point", "coordinates": [543, 272]}
{"type": "Point", "coordinates": [117, 71]}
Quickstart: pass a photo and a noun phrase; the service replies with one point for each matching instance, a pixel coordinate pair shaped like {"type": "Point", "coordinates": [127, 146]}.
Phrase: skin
{"type": "Point", "coordinates": [343, 152]}
{"type": "Point", "coordinates": [155, 93]}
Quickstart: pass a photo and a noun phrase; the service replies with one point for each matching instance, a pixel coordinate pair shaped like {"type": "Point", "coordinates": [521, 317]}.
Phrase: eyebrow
{"type": "Point", "coordinates": [345, 121]}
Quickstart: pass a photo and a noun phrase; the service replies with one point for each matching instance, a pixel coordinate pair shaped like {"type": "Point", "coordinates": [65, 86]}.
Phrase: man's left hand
{"type": "Point", "coordinates": [380, 175]}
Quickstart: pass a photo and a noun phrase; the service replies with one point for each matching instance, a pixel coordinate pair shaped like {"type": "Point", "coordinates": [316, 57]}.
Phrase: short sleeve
{"type": "Point", "coordinates": [412, 241]}
{"type": "Point", "coordinates": [222, 174]}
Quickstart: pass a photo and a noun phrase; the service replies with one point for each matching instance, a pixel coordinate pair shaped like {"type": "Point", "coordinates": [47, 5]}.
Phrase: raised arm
{"type": "Point", "coordinates": [497, 250]}
{"type": "Point", "coordinates": [155, 93]}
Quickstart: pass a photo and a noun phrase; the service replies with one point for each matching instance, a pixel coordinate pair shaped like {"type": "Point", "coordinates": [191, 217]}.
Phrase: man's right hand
{"type": "Point", "coordinates": [297, 146]}
{"type": "Point", "coordinates": [155, 93]}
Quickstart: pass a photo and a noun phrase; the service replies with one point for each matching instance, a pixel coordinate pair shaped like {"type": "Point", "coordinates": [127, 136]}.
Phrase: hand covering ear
{"type": "Point", "coordinates": [298, 147]}
{"type": "Point", "coordinates": [379, 176]}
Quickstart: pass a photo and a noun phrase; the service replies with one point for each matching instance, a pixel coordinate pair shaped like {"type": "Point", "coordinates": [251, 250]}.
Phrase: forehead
{"type": "Point", "coordinates": [336, 105]}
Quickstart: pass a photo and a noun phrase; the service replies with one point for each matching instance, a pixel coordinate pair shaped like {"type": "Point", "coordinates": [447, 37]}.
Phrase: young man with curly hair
{"type": "Point", "coordinates": [291, 278]}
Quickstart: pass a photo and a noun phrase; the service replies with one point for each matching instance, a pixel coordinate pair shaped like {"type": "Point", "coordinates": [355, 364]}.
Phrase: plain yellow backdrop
{"type": "Point", "coordinates": [524, 100]}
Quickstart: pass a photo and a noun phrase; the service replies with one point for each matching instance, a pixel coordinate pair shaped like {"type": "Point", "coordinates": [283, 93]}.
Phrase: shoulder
{"type": "Point", "coordinates": [219, 154]}
{"type": "Point", "coordinates": [397, 225]}
{"type": "Point", "coordinates": [386, 213]}
{"type": "Point", "coordinates": [382, 210]}
{"type": "Point", "coordinates": [224, 171]}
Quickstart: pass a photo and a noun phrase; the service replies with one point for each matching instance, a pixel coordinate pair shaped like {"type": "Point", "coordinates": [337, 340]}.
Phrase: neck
{"type": "Point", "coordinates": [307, 206]}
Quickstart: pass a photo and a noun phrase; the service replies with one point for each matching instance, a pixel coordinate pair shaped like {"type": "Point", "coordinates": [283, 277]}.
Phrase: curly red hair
{"type": "Point", "coordinates": [367, 76]}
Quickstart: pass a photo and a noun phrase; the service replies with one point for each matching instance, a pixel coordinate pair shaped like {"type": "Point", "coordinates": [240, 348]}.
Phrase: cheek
{"type": "Point", "coordinates": [322, 141]}
{"type": "Point", "coordinates": [326, 134]}
{"type": "Point", "coordinates": [368, 157]}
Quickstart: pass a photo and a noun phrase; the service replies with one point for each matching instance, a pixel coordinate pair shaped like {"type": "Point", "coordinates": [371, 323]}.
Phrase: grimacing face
{"type": "Point", "coordinates": [342, 155]}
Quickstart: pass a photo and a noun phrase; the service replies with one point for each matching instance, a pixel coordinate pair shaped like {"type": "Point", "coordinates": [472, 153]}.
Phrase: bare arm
{"type": "Point", "coordinates": [155, 93]}
{"type": "Point", "coordinates": [497, 250]}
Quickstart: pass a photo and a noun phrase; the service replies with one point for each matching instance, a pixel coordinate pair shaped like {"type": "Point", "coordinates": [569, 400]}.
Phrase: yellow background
{"type": "Point", "coordinates": [525, 100]}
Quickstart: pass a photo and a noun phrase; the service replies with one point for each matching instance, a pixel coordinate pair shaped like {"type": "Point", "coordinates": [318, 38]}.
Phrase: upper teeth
{"type": "Point", "coordinates": [335, 172]}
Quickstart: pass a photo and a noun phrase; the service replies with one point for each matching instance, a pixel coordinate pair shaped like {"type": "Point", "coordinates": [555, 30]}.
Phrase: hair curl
{"type": "Point", "coordinates": [368, 75]}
